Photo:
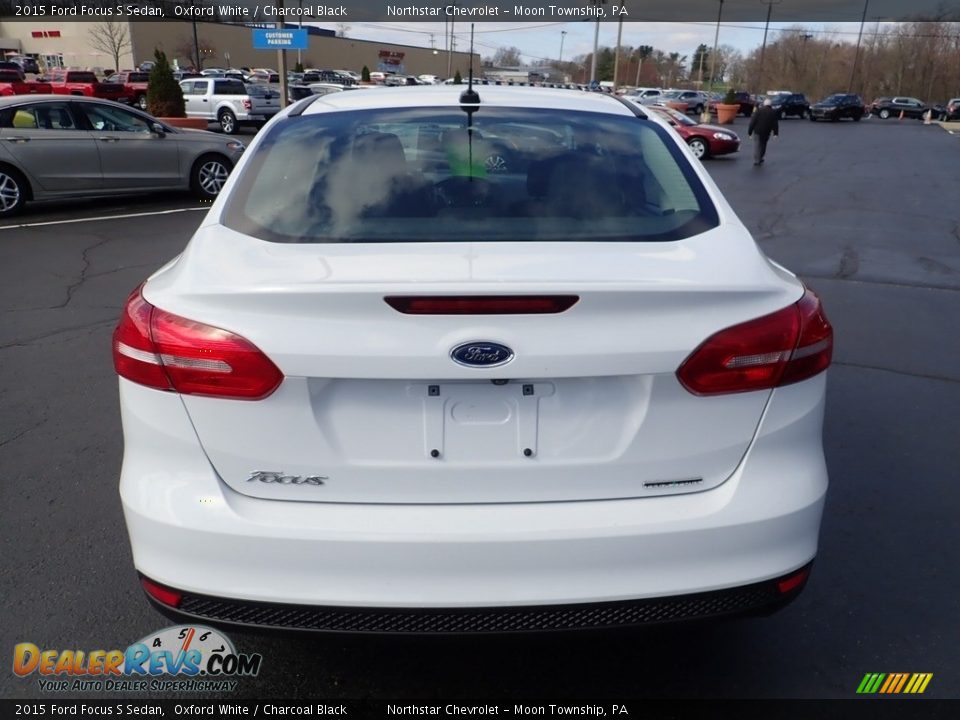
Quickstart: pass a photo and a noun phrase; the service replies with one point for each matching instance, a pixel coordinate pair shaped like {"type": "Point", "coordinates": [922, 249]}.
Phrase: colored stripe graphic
{"type": "Point", "coordinates": [894, 683]}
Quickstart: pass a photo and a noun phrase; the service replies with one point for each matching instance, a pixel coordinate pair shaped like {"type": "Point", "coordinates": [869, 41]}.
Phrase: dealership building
{"type": "Point", "coordinates": [71, 44]}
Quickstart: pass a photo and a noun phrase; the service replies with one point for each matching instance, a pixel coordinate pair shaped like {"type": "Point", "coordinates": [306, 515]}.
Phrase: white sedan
{"type": "Point", "coordinates": [385, 389]}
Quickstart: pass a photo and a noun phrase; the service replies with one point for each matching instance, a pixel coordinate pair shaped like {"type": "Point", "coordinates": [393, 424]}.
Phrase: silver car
{"type": "Point", "coordinates": [54, 146]}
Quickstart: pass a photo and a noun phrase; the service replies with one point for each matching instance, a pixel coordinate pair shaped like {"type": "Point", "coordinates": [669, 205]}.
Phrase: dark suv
{"type": "Point", "coordinates": [910, 107]}
{"type": "Point", "coordinates": [790, 104]}
{"type": "Point", "coordinates": [744, 99]}
{"type": "Point", "coordinates": [838, 106]}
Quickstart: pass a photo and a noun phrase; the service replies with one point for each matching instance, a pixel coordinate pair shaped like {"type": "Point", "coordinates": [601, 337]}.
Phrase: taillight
{"type": "Point", "coordinates": [482, 304]}
{"type": "Point", "coordinates": [247, 105]}
{"type": "Point", "coordinates": [785, 347]}
{"type": "Point", "coordinates": [161, 350]}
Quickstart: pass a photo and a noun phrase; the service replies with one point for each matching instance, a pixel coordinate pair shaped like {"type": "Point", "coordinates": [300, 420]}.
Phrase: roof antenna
{"type": "Point", "coordinates": [470, 96]}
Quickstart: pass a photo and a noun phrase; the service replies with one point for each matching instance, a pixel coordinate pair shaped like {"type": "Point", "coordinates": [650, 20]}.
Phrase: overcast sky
{"type": "Point", "coordinates": [542, 40]}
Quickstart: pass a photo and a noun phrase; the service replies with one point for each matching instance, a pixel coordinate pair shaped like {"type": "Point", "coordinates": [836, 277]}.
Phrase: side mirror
{"type": "Point", "coordinates": [158, 129]}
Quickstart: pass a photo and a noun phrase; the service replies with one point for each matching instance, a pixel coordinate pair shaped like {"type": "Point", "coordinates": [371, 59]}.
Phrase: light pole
{"type": "Point", "coordinates": [596, 45]}
{"type": "Point", "coordinates": [299, 51]}
{"type": "Point", "coordinates": [856, 55]}
{"type": "Point", "coordinates": [563, 35]}
{"type": "Point", "coordinates": [763, 48]}
{"type": "Point", "coordinates": [616, 52]}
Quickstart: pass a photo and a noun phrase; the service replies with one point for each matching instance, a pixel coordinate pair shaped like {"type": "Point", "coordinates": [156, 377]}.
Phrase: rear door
{"type": "Point", "coordinates": [196, 101]}
{"type": "Point", "coordinates": [48, 141]}
{"type": "Point", "coordinates": [131, 155]}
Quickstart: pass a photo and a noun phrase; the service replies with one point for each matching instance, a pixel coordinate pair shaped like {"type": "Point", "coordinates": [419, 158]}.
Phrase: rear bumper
{"type": "Point", "coordinates": [189, 531]}
{"type": "Point", "coordinates": [758, 598]}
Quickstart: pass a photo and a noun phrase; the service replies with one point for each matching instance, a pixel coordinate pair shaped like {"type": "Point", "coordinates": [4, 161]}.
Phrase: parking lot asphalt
{"type": "Point", "coordinates": [865, 212]}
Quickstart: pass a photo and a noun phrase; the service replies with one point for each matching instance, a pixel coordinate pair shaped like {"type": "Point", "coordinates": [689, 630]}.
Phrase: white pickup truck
{"type": "Point", "coordinates": [228, 102]}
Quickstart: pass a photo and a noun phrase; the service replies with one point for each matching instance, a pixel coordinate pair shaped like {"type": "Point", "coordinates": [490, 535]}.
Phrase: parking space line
{"type": "Point", "coordinates": [103, 217]}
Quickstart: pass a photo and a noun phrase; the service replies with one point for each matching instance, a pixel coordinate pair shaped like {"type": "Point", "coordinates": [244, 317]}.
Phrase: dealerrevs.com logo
{"type": "Point", "coordinates": [180, 658]}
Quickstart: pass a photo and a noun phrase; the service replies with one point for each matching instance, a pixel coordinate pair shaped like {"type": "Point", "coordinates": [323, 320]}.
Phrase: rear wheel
{"type": "Point", "coordinates": [699, 148]}
{"type": "Point", "coordinates": [857, 117]}
{"type": "Point", "coordinates": [13, 191]}
{"type": "Point", "coordinates": [884, 114]}
{"type": "Point", "coordinates": [208, 176]}
{"type": "Point", "coordinates": [228, 122]}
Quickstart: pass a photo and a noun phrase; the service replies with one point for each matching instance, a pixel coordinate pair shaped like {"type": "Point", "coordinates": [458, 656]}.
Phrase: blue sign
{"type": "Point", "coordinates": [277, 39]}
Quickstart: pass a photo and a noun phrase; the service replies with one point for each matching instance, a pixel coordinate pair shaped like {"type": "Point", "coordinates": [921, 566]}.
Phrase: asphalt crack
{"type": "Point", "coordinates": [82, 278]}
{"type": "Point", "coordinates": [33, 340]}
{"type": "Point", "coordinates": [23, 432]}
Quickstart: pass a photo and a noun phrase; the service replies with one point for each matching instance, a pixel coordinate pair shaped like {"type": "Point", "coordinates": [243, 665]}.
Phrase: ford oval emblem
{"type": "Point", "coordinates": [481, 354]}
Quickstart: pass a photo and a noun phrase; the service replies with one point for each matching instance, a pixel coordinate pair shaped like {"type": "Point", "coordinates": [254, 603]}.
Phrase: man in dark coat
{"type": "Point", "coordinates": [762, 124]}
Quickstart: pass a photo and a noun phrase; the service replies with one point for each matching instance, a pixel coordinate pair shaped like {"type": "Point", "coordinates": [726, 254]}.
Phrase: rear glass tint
{"type": "Point", "coordinates": [430, 175]}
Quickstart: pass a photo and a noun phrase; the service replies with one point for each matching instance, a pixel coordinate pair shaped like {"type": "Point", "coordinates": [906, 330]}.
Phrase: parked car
{"type": "Point", "coordinates": [952, 110]}
{"type": "Point", "coordinates": [146, 66]}
{"type": "Point", "coordinates": [644, 95]}
{"type": "Point", "coordinates": [787, 104]}
{"type": "Point", "coordinates": [886, 107]}
{"type": "Point", "coordinates": [705, 141]}
{"type": "Point", "coordinates": [12, 67]}
{"type": "Point", "coordinates": [370, 398]}
{"type": "Point", "coordinates": [83, 82]}
{"type": "Point", "coordinates": [26, 63]}
{"type": "Point", "coordinates": [744, 99]}
{"type": "Point", "coordinates": [837, 107]}
{"type": "Point", "coordinates": [12, 83]}
{"type": "Point", "coordinates": [228, 102]}
{"type": "Point", "coordinates": [118, 150]}
{"type": "Point", "coordinates": [134, 85]}
{"type": "Point", "coordinates": [694, 99]}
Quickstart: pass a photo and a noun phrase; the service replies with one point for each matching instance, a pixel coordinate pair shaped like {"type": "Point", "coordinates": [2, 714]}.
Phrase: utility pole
{"type": "Point", "coordinates": [563, 35]}
{"type": "Point", "coordinates": [616, 52]}
{"type": "Point", "coordinates": [856, 55]}
{"type": "Point", "coordinates": [196, 46]}
{"type": "Point", "coordinates": [716, 40]}
{"type": "Point", "coordinates": [282, 60]}
{"type": "Point", "coordinates": [763, 48]}
{"type": "Point", "coordinates": [596, 45]}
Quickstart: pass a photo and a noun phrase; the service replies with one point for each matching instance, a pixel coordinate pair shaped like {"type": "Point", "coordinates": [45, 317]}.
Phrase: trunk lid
{"type": "Point", "coordinates": [373, 405]}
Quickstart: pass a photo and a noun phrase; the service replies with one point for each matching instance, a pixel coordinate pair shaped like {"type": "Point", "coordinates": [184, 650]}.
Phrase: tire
{"type": "Point", "coordinates": [208, 175]}
{"type": "Point", "coordinates": [699, 148]}
{"type": "Point", "coordinates": [13, 191]}
{"type": "Point", "coordinates": [228, 122]}
{"type": "Point", "coordinates": [142, 102]}
{"type": "Point", "coordinates": [780, 115]}
{"type": "Point", "coordinates": [698, 110]}
{"type": "Point", "coordinates": [857, 118]}
{"type": "Point", "coordinates": [884, 114]}
{"type": "Point", "coordinates": [812, 118]}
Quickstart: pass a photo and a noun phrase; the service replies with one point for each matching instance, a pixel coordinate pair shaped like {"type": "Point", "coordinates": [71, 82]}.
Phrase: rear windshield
{"type": "Point", "coordinates": [138, 77]}
{"type": "Point", "coordinates": [432, 175]}
{"type": "Point", "coordinates": [81, 77]}
{"type": "Point", "coordinates": [9, 76]}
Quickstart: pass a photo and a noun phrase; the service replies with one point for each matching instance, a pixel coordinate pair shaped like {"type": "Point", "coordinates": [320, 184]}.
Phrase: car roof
{"type": "Point", "coordinates": [415, 96]}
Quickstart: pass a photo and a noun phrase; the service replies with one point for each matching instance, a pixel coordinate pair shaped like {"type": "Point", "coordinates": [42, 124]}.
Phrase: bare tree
{"type": "Point", "coordinates": [185, 49]}
{"type": "Point", "coordinates": [507, 57]}
{"type": "Point", "coordinates": [111, 38]}
{"type": "Point", "coordinates": [342, 29]}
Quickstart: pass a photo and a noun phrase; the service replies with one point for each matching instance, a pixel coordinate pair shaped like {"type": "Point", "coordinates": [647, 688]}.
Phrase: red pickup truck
{"type": "Point", "coordinates": [134, 85]}
{"type": "Point", "coordinates": [11, 84]}
{"type": "Point", "coordinates": [82, 82]}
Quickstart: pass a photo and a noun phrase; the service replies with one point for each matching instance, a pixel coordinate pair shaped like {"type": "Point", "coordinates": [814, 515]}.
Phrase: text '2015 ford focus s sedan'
{"type": "Point", "coordinates": [390, 386]}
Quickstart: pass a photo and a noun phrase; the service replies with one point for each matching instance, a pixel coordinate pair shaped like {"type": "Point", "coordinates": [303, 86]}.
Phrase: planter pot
{"type": "Point", "coordinates": [182, 122]}
{"type": "Point", "coordinates": [678, 106]}
{"type": "Point", "coordinates": [726, 113]}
